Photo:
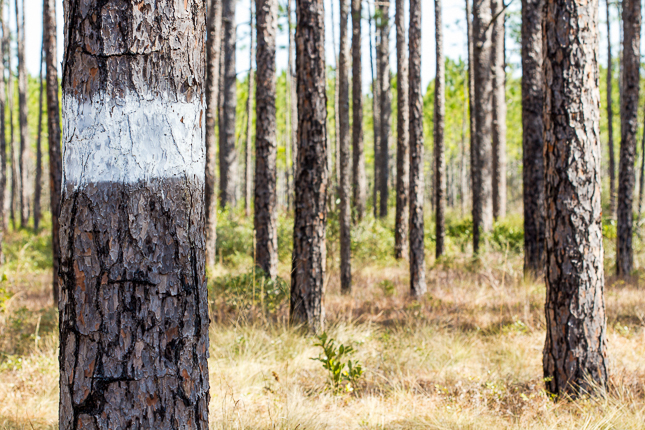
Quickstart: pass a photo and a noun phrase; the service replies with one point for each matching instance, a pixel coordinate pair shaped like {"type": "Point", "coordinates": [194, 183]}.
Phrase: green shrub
{"type": "Point", "coordinates": [333, 360]}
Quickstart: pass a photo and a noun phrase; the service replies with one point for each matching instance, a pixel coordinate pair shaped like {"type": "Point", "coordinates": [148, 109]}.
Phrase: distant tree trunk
{"type": "Point", "coordinates": [22, 118]}
{"type": "Point", "coordinates": [642, 181]}
{"type": "Point", "coordinates": [499, 109]}
{"type": "Point", "coordinates": [417, 250]}
{"type": "Point", "coordinates": [482, 168]}
{"type": "Point", "coordinates": [309, 250]}
{"type": "Point", "coordinates": [375, 113]}
{"type": "Point", "coordinates": [345, 216]}
{"type": "Point", "coordinates": [39, 156]}
{"type": "Point", "coordinates": [12, 142]}
{"type": "Point", "coordinates": [610, 122]}
{"type": "Point", "coordinates": [358, 166]}
{"type": "Point", "coordinates": [463, 180]}
{"type": "Point", "coordinates": [402, 219]}
{"type": "Point", "coordinates": [248, 147]}
{"type": "Point", "coordinates": [439, 120]}
{"type": "Point", "coordinates": [3, 141]}
{"type": "Point", "coordinates": [54, 137]}
{"type": "Point", "coordinates": [385, 110]}
{"type": "Point", "coordinates": [266, 145]}
{"type": "Point", "coordinates": [575, 352]}
{"type": "Point", "coordinates": [471, 92]}
{"type": "Point", "coordinates": [629, 128]}
{"type": "Point", "coordinates": [533, 138]}
{"type": "Point", "coordinates": [134, 310]}
{"type": "Point", "coordinates": [228, 163]}
{"type": "Point", "coordinates": [335, 154]}
{"type": "Point", "coordinates": [293, 97]}
{"type": "Point", "coordinates": [213, 45]}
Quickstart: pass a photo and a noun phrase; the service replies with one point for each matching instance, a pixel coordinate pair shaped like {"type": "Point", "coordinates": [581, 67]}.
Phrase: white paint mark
{"type": "Point", "coordinates": [130, 139]}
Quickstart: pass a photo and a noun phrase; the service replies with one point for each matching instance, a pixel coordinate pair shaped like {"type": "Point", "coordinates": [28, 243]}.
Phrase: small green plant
{"type": "Point", "coordinates": [387, 287]}
{"type": "Point", "coordinates": [342, 374]}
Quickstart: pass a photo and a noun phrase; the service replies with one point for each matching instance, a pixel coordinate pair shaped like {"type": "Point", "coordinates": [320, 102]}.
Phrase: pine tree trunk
{"type": "Point", "coordinates": [3, 140]}
{"type": "Point", "coordinates": [642, 181]}
{"type": "Point", "coordinates": [629, 128]}
{"type": "Point", "coordinates": [471, 93]}
{"type": "Point", "coordinates": [312, 175]}
{"type": "Point", "coordinates": [499, 109]}
{"type": "Point", "coordinates": [345, 218]}
{"type": "Point", "coordinates": [228, 160]}
{"type": "Point", "coordinates": [293, 100]}
{"type": "Point", "coordinates": [463, 180]}
{"type": "Point", "coordinates": [417, 250]}
{"type": "Point", "coordinates": [22, 119]}
{"type": "Point", "coordinates": [39, 155]}
{"type": "Point", "coordinates": [385, 110]}
{"type": "Point", "coordinates": [375, 114]}
{"type": "Point", "coordinates": [248, 150]}
{"type": "Point", "coordinates": [610, 121]}
{"type": "Point", "coordinates": [533, 138]}
{"type": "Point", "coordinates": [439, 122]}
{"type": "Point", "coordinates": [213, 45]}
{"type": "Point", "coordinates": [266, 146]}
{"type": "Point", "coordinates": [358, 166]}
{"type": "Point", "coordinates": [12, 142]}
{"type": "Point", "coordinates": [482, 150]}
{"type": "Point", "coordinates": [402, 218]}
{"type": "Point", "coordinates": [575, 352]}
{"type": "Point", "coordinates": [133, 310]}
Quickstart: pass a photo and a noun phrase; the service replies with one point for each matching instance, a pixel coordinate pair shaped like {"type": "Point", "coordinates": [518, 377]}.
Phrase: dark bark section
{"type": "Point", "coordinates": [499, 109]}
{"type": "Point", "coordinates": [628, 130]}
{"type": "Point", "coordinates": [266, 146]}
{"type": "Point", "coordinates": [575, 352]}
{"type": "Point", "coordinates": [248, 147]}
{"type": "Point", "coordinates": [385, 106]}
{"type": "Point", "coordinates": [482, 149]}
{"type": "Point", "coordinates": [417, 249]}
{"type": "Point", "coordinates": [345, 217]}
{"type": "Point", "coordinates": [402, 219]}
{"type": "Point", "coordinates": [439, 123]}
{"type": "Point", "coordinates": [309, 249]}
{"type": "Point", "coordinates": [533, 137]}
{"type": "Point", "coordinates": [213, 44]}
{"type": "Point", "coordinates": [23, 189]}
{"type": "Point", "coordinates": [228, 160]}
{"type": "Point", "coordinates": [610, 121]}
{"type": "Point", "coordinates": [39, 154]}
{"type": "Point", "coordinates": [358, 166]}
{"type": "Point", "coordinates": [54, 136]}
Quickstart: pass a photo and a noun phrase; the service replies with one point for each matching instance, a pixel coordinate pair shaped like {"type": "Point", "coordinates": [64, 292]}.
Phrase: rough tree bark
{"type": "Point", "coordinates": [610, 121]}
{"type": "Point", "coordinates": [482, 150]}
{"type": "Point", "coordinates": [575, 351]}
{"type": "Point", "coordinates": [417, 250]}
{"type": "Point", "coordinates": [439, 123]}
{"type": "Point", "coordinates": [345, 216]}
{"type": "Point", "coordinates": [133, 309]}
{"type": "Point", "coordinates": [228, 160]}
{"type": "Point", "coordinates": [358, 166]}
{"type": "Point", "coordinates": [499, 109]}
{"type": "Point", "coordinates": [402, 219]}
{"type": "Point", "coordinates": [309, 249]}
{"type": "Point", "coordinates": [628, 130]}
{"type": "Point", "coordinates": [533, 138]}
{"type": "Point", "coordinates": [213, 45]}
{"type": "Point", "coordinates": [39, 155]}
{"type": "Point", "coordinates": [248, 150]}
{"type": "Point", "coordinates": [375, 112]}
{"type": "Point", "coordinates": [385, 102]}
{"type": "Point", "coordinates": [266, 146]}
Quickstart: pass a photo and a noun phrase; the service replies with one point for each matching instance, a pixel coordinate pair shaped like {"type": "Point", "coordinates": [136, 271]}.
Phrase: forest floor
{"type": "Point", "coordinates": [467, 356]}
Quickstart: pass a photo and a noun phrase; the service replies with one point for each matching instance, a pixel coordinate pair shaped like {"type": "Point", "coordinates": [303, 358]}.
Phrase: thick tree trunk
{"type": "Point", "coordinates": [39, 155]}
{"type": "Point", "coordinates": [358, 166]}
{"type": "Point", "coordinates": [417, 249]}
{"type": "Point", "coordinates": [309, 249]}
{"type": "Point", "coordinates": [628, 130]}
{"type": "Point", "coordinates": [482, 150]}
{"type": "Point", "coordinates": [345, 216]}
{"type": "Point", "coordinates": [575, 352]}
{"type": "Point", "coordinates": [375, 113]}
{"type": "Point", "coordinates": [439, 122]}
{"type": "Point", "coordinates": [228, 160]}
{"type": "Point", "coordinates": [499, 109]}
{"type": "Point", "coordinates": [266, 145]}
{"type": "Point", "coordinates": [610, 121]}
{"type": "Point", "coordinates": [471, 92]}
{"type": "Point", "coordinates": [213, 45]}
{"type": "Point", "coordinates": [134, 309]}
{"type": "Point", "coordinates": [22, 118]}
{"type": "Point", "coordinates": [248, 150]}
{"type": "Point", "coordinates": [533, 138]}
{"type": "Point", "coordinates": [402, 219]}
{"type": "Point", "coordinates": [385, 110]}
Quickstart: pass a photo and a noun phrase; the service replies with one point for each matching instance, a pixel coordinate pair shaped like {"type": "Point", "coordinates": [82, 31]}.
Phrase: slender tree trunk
{"type": "Point", "coordinates": [39, 156]}
{"type": "Point", "coordinates": [228, 160]}
{"type": "Point", "coordinates": [375, 113]}
{"type": "Point", "coordinates": [471, 93]}
{"type": "Point", "coordinates": [499, 109]}
{"type": "Point", "coordinates": [439, 121]}
{"type": "Point", "coordinates": [575, 352]}
{"type": "Point", "coordinates": [402, 220]}
{"type": "Point", "coordinates": [629, 128]}
{"type": "Point", "coordinates": [213, 45]}
{"type": "Point", "coordinates": [22, 119]}
{"type": "Point", "coordinates": [642, 181]}
{"type": "Point", "coordinates": [345, 216]}
{"type": "Point", "coordinates": [385, 111]}
{"type": "Point", "coordinates": [12, 142]}
{"type": "Point", "coordinates": [293, 99]}
{"type": "Point", "coordinates": [610, 121]}
{"type": "Point", "coordinates": [266, 145]}
{"type": "Point", "coordinates": [248, 150]}
{"type": "Point", "coordinates": [3, 141]}
{"type": "Point", "coordinates": [417, 250]}
{"type": "Point", "coordinates": [358, 165]}
{"type": "Point", "coordinates": [463, 180]}
{"type": "Point", "coordinates": [533, 138]}
{"type": "Point", "coordinates": [334, 155]}
{"type": "Point", "coordinates": [482, 169]}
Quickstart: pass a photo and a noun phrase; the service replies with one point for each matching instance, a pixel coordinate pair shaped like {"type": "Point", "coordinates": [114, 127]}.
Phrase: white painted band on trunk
{"type": "Point", "coordinates": [128, 140]}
